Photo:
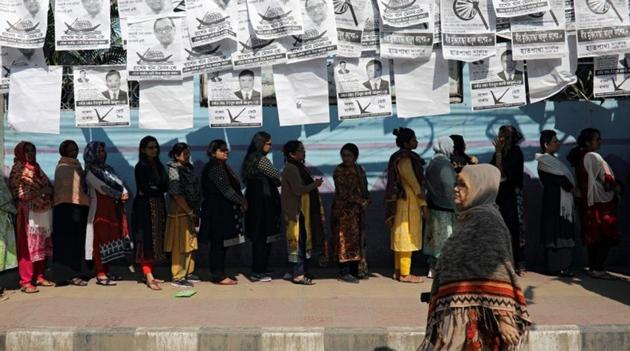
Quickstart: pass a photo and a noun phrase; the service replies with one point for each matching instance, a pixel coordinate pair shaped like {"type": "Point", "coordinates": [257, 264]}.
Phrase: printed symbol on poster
{"type": "Point", "coordinates": [273, 14]}
{"type": "Point", "coordinates": [234, 119]}
{"type": "Point", "coordinates": [540, 14]}
{"type": "Point", "coordinates": [497, 100]}
{"type": "Point", "coordinates": [342, 6]}
{"type": "Point", "coordinates": [466, 10]}
{"type": "Point", "coordinates": [85, 24]}
{"type": "Point", "coordinates": [26, 25]}
{"type": "Point", "coordinates": [253, 45]}
{"type": "Point", "coordinates": [102, 118]}
{"type": "Point", "coordinates": [601, 7]}
{"type": "Point", "coordinates": [305, 39]}
{"type": "Point", "coordinates": [618, 87]}
{"type": "Point", "coordinates": [363, 110]}
{"type": "Point", "coordinates": [397, 5]}
{"type": "Point", "coordinates": [210, 19]}
{"type": "Point", "coordinates": [200, 52]}
{"type": "Point", "coordinates": [164, 31]}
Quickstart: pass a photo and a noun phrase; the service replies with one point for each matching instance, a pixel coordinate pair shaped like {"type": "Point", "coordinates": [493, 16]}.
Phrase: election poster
{"type": "Point", "coordinates": [101, 96]}
{"type": "Point", "coordinates": [210, 21]}
{"type": "Point", "coordinates": [602, 27]}
{"type": "Point", "coordinates": [414, 42]}
{"type": "Point", "coordinates": [468, 30]}
{"type": "Point", "coordinates": [363, 87]}
{"type": "Point", "coordinates": [320, 33]}
{"type": "Point", "coordinates": [350, 20]}
{"type": "Point", "coordinates": [497, 82]}
{"type": "Point", "coordinates": [154, 48]}
{"type": "Point", "coordinates": [83, 25]}
{"type": "Point", "coordinates": [515, 8]}
{"type": "Point", "coordinates": [370, 37]}
{"type": "Point", "coordinates": [24, 23]}
{"type": "Point", "coordinates": [235, 99]}
{"type": "Point", "coordinates": [134, 8]}
{"type": "Point", "coordinates": [274, 19]}
{"type": "Point", "coordinates": [569, 15]}
{"type": "Point", "coordinates": [166, 105]}
{"type": "Point", "coordinates": [546, 78]}
{"type": "Point", "coordinates": [14, 59]}
{"type": "Point", "coordinates": [612, 76]}
{"type": "Point", "coordinates": [404, 13]}
{"type": "Point", "coordinates": [541, 35]}
{"type": "Point", "coordinates": [207, 58]}
{"type": "Point", "coordinates": [437, 22]}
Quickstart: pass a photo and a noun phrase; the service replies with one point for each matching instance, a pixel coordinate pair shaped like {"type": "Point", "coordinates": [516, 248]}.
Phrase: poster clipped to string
{"type": "Point", "coordinates": [468, 30]}
{"type": "Point", "coordinates": [363, 87]}
{"type": "Point", "coordinates": [515, 8]}
{"type": "Point", "coordinates": [101, 96]}
{"type": "Point", "coordinates": [83, 25]}
{"type": "Point", "coordinates": [320, 33]}
{"type": "Point", "coordinates": [413, 42]}
{"type": "Point", "coordinates": [541, 35]}
{"type": "Point", "coordinates": [14, 59]}
{"type": "Point", "coordinates": [210, 21]}
{"type": "Point", "coordinates": [207, 58]}
{"type": "Point", "coordinates": [546, 78]}
{"type": "Point", "coordinates": [612, 76]}
{"type": "Point", "coordinates": [24, 23]}
{"type": "Point", "coordinates": [497, 82]}
{"type": "Point", "coordinates": [602, 27]}
{"type": "Point", "coordinates": [235, 99]}
{"type": "Point", "coordinates": [166, 105]}
{"type": "Point", "coordinates": [404, 13]}
{"type": "Point", "coordinates": [350, 20]}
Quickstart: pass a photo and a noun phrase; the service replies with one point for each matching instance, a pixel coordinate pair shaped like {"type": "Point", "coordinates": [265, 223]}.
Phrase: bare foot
{"type": "Point", "coordinates": [413, 279]}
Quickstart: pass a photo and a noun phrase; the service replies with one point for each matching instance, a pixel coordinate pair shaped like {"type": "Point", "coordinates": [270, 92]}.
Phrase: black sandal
{"type": "Point", "coordinates": [114, 277]}
{"type": "Point", "coordinates": [105, 282]}
{"type": "Point", "coordinates": [304, 281]}
{"type": "Point", "coordinates": [78, 282]}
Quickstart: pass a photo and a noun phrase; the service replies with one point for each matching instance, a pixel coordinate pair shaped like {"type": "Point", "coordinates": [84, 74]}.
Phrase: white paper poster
{"type": "Point", "coordinates": [235, 99]}
{"type": "Point", "coordinates": [468, 30]}
{"type": "Point", "coordinates": [515, 8]}
{"type": "Point", "coordinates": [320, 33]}
{"type": "Point", "coordinates": [546, 78]}
{"type": "Point", "coordinates": [569, 15]}
{"type": "Point", "coordinates": [35, 100]}
{"type": "Point", "coordinates": [363, 88]}
{"type": "Point", "coordinates": [166, 105]}
{"type": "Point", "coordinates": [437, 22]}
{"type": "Point", "coordinates": [273, 19]}
{"type": "Point", "coordinates": [13, 58]}
{"type": "Point", "coordinates": [602, 27]}
{"type": "Point", "coordinates": [612, 75]}
{"type": "Point", "coordinates": [24, 23]}
{"type": "Point", "coordinates": [101, 96]}
{"type": "Point", "coordinates": [497, 82]}
{"type": "Point", "coordinates": [83, 25]}
{"type": "Point", "coordinates": [540, 35]}
{"type": "Point", "coordinates": [207, 58]}
{"type": "Point", "coordinates": [211, 21]}
{"type": "Point", "coordinates": [404, 13]}
{"type": "Point", "coordinates": [422, 87]}
{"type": "Point", "coordinates": [133, 8]}
{"type": "Point", "coordinates": [414, 42]}
{"type": "Point", "coordinates": [350, 20]}
{"type": "Point", "coordinates": [370, 37]}
{"type": "Point", "coordinates": [154, 48]}
{"type": "Point", "coordinates": [302, 93]}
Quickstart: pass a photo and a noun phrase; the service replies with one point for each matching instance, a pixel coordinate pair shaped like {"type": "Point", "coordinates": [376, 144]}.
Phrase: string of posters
{"type": "Point", "coordinates": [369, 44]}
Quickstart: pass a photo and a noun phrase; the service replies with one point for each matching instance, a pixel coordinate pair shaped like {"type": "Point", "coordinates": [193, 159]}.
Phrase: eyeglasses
{"type": "Point", "coordinates": [164, 30]}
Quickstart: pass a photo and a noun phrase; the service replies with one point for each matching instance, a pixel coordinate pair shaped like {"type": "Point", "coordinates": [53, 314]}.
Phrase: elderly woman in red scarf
{"type": "Point", "coordinates": [32, 191]}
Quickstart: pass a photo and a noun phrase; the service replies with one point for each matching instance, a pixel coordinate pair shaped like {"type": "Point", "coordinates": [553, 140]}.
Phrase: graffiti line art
{"type": "Point", "coordinates": [466, 10]}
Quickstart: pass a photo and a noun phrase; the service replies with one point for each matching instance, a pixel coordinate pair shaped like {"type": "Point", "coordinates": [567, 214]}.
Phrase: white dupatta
{"type": "Point", "coordinates": [552, 165]}
{"type": "Point", "coordinates": [597, 168]}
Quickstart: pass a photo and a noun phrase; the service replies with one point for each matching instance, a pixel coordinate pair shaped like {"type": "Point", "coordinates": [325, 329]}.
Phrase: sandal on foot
{"type": "Point", "coordinates": [78, 282]}
{"type": "Point", "coordinates": [412, 279]}
{"type": "Point", "coordinates": [304, 281]}
{"type": "Point", "coordinates": [227, 281]}
{"type": "Point", "coordinates": [153, 285]}
{"type": "Point", "coordinates": [105, 282]}
{"type": "Point", "coordinates": [45, 283]}
{"type": "Point", "coordinates": [29, 289]}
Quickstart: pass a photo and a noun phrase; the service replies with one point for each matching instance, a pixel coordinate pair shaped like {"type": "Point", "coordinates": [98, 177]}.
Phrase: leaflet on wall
{"type": "Point", "coordinates": [302, 93]}
{"type": "Point", "coordinates": [612, 76]}
{"type": "Point", "coordinates": [350, 20]}
{"type": "Point", "coordinates": [569, 15]}
{"type": "Point", "coordinates": [210, 21]}
{"type": "Point", "coordinates": [468, 30]}
{"type": "Point", "coordinates": [497, 82]}
{"type": "Point", "coordinates": [132, 8]}
{"type": "Point", "coordinates": [515, 8]}
{"type": "Point", "coordinates": [370, 37]}
{"type": "Point", "coordinates": [101, 97]}
{"type": "Point", "coordinates": [154, 48]}
{"type": "Point", "coordinates": [14, 59]}
{"type": "Point", "coordinates": [207, 58]}
{"type": "Point", "coordinates": [274, 19]}
{"type": "Point", "coordinates": [503, 28]}
{"type": "Point", "coordinates": [363, 88]}
{"type": "Point", "coordinates": [437, 22]}
{"type": "Point", "coordinates": [414, 42]}
{"type": "Point", "coordinates": [24, 23]}
{"type": "Point", "coordinates": [320, 33]}
{"type": "Point", "coordinates": [602, 27]}
{"type": "Point", "coordinates": [166, 105]}
{"type": "Point", "coordinates": [546, 78]}
{"type": "Point", "coordinates": [83, 25]}
{"type": "Point", "coordinates": [404, 13]}
{"type": "Point", "coordinates": [235, 99]}
{"type": "Point", "coordinates": [540, 35]}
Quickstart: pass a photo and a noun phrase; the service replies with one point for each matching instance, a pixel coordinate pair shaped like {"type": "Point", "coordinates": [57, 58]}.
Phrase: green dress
{"type": "Point", "coordinates": [8, 252]}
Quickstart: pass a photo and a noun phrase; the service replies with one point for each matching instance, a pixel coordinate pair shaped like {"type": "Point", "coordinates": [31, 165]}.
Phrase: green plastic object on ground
{"type": "Point", "coordinates": [186, 293]}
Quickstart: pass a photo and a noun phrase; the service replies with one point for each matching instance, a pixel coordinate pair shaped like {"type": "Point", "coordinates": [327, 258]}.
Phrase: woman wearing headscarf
{"type": "Point", "coordinates": [476, 302]}
{"type": "Point", "coordinates": [33, 194]}
{"type": "Point", "coordinates": [180, 238]}
{"type": "Point", "coordinates": [107, 235]}
{"type": "Point", "coordinates": [348, 207]}
{"type": "Point", "coordinates": [459, 157]}
{"type": "Point", "coordinates": [302, 211]}
{"type": "Point", "coordinates": [222, 209]}
{"type": "Point", "coordinates": [405, 204]}
{"type": "Point", "coordinates": [557, 210]}
{"type": "Point", "coordinates": [149, 209]}
{"type": "Point", "coordinates": [600, 194]}
{"type": "Point", "coordinates": [262, 219]}
{"type": "Point", "coordinates": [440, 178]}
{"type": "Point", "coordinates": [69, 216]}
{"type": "Point", "coordinates": [508, 158]}
{"type": "Point", "coordinates": [8, 249]}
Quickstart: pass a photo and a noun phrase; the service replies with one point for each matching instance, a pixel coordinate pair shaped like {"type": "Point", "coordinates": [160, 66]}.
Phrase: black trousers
{"type": "Point", "coordinates": [260, 255]}
{"type": "Point", "coordinates": [598, 253]}
{"type": "Point", "coordinates": [217, 260]}
{"type": "Point", "coordinates": [350, 267]}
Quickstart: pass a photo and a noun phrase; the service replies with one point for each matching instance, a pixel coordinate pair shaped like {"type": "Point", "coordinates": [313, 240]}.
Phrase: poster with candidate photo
{"type": "Point", "coordinates": [602, 26]}
{"type": "Point", "coordinates": [154, 48]}
{"type": "Point", "coordinates": [14, 59]}
{"type": "Point", "coordinates": [207, 58]}
{"type": "Point", "coordinates": [101, 96]}
{"type": "Point", "coordinates": [133, 8]}
{"type": "Point", "coordinates": [235, 99]}
{"type": "Point", "coordinates": [273, 19]}
{"type": "Point", "coordinates": [210, 21]}
{"type": "Point", "coordinates": [363, 87]}
{"type": "Point", "coordinates": [83, 25]}
{"type": "Point", "coordinates": [350, 20]}
{"type": "Point", "coordinates": [23, 23]}
{"type": "Point", "coordinates": [468, 29]}
{"type": "Point", "coordinates": [497, 82]}
{"type": "Point", "coordinates": [320, 33]}
{"type": "Point", "coordinates": [404, 13]}
{"type": "Point", "coordinates": [541, 35]}
{"type": "Point", "coordinates": [612, 76]}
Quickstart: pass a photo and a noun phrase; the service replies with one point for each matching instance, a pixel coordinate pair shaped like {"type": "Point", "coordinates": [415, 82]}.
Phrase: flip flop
{"type": "Point", "coordinates": [45, 283]}
{"type": "Point", "coordinates": [29, 289]}
{"type": "Point", "coordinates": [153, 285]}
{"type": "Point", "coordinates": [303, 281]}
{"type": "Point", "coordinates": [78, 282]}
{"type": "Point", "coordinates": [105, 282]}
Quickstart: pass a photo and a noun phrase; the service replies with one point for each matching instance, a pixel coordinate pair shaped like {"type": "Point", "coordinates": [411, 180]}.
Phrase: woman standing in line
{"type": "Point", "coordinates": [34, 196]}
{"type": "Point", "coordinates": [262, 219]}
{"type": "Point", "coordinates": [405, 203]}
{"type": "Point", "coordinates": [8, 249]}
{"type": "Point", "coordinates": [460, 158]}
{"type": "Point", "coordinates": [149, 209]}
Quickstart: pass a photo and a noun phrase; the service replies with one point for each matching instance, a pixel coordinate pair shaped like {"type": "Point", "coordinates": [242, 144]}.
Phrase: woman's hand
{"type": "Point", "coordinates": [124, 197]}
{"type": "Point", "coordinates": [509, 333]}
{"type": "Point", "coordinates": [499, 144]}
{"type": "Point", "coordinates": [319, 182]}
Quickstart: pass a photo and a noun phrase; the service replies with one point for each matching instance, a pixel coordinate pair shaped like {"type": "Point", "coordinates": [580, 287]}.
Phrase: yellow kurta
{"type": "Point", "coordinates": [293, 230]}
{"type": "Point", "coordinates": [406, 233]}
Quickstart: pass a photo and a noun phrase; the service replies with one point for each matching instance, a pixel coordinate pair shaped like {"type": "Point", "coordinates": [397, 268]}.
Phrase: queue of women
{"type": "Point", "coordinates": [473, 214]}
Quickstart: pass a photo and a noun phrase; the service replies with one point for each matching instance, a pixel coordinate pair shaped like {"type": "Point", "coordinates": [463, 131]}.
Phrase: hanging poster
{"type": "Point", "coordinates": [350, 20]}
{"type": "Point", "coordinates": [515, 8]}
{"type": "Point", "coordinates": [363, 88]}
{"type": "Point", "coordinates": [235, 99]}
{"type": "Point", "coordinates": [540, 35]}
{"type": "Point", "coordinates": [422, 87]}
{"type": "Point", "coordinates": [414, 42]}
{"type": "Point", "coordinates": [274, 19]}
{"type": "Point", "coordinates": [154, 48]}
{"type": "Point", "coordinates": [207, 58]}
{"type": "Point", "coordinates": [602, 27]}
{"type": "Point", "coordinates": [24, 23]}
{"type": "Point", "coordinates": [468, 30]}
{"type": "Point", "coordinates": [302, 93]}
{"type": "Point", "coordinates": [101, 97]}
{"type": "Point", "coordinates": [82, 26]}
{"type": "Point", "coordinates": [437, 22]}
{"type": "Point", "coordinates": [320, 33]}
{"type": "Point", "coordinates": [404, 13]}
{"type": "Point", "coordinates": [166, 105]}
{"type": "Point", "coordinates": [210, 21]}
{"type": "Point", "coordinates": [252, 52]}
{"type": "Point", "coordinates": [12, 58]}
{"type": "Point", "coordinates": [546, 78]}
{"type": "Point", "coordinates": [569, 15]}
{"type": "Point", "coordinates": [132, 8]}
{"type": "Point", "coordinates": [497, 82]}
{"type": "Point", "coordinates": [612, 76]}
{"type": "Point", "coordinates": [370, 37]}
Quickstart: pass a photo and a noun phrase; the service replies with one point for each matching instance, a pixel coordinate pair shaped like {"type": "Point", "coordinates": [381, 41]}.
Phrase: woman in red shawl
{"type": "Point", "coordinates": [32, 191]}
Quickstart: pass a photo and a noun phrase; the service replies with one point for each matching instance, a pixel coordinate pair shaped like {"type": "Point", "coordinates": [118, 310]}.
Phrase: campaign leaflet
{"type": "Point", "coordinates": [101, 96]}
{"type": "Point", "coordinates": [235, 99]}
{"type": "Point", "coordinates": [602, 27]}
{"type": "Point", "coordinates": [320, 33]}
{"type": "Point", "coordinates": [24, 23]}
{"type": "Point", "coordinates": [83, 25]}
{"type": "Point", "coordinates": [541, 35]}
{"type": "Point", "coordinates": [468, 30]}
